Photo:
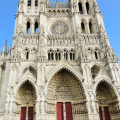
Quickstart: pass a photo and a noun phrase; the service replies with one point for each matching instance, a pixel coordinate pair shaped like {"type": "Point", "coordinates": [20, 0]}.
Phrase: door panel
{"type": "Point", "coordinates": [68, 107]}
{"type": "Point", "coordinates": [30, 113]}
{"type": "Point", "coordinates": [60, 111]}
{"type": "Point", "coordinates": [100, 113]}
{"type": "Point", "coordinates": [107, 114]}
{"type": "Point", "coordinates": [23, 113]}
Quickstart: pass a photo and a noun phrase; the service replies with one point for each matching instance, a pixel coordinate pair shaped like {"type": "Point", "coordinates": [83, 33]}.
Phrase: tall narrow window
{"type": "Point", "coordinates": [28, 27]}
{"type": "Point", "coordinates": [90, 27]}
{"type": "Point", "coordinates": [36, 27]}
{"type": "Point", "coordinates": [36, 2]}
{"type": "Point", "coordinates": [48, 56]}
{"type": "Point", "coordinates": [29, 2]}
{"type": "Point", "coordinates": [83, 27]}
{"type": "Point", "coordinates": [80, 8]}
{"type": "Point", "coordinates": [27, 55]}
{"type": "Point", "coordinates": [87, 7]}
{"type": "Point", "coordinates": [96, 56]}
{"type": "Point", "coordinates": [56, 56]}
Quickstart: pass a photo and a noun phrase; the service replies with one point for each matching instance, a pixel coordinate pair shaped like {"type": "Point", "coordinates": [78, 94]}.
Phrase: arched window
{"type": "Point", "coordinates": [87, 7]}
{"type": "Point", "coordinates": [94, 71]}
{"type": "Point", "coordinates": [27, 55]}
{"type": "Point", "coordinates": [80, 8]}
{"type": "Point", "coordinates": [29, 2]}
{"type": "Point", "coordinates": [90, 27]}
{"type": "Point", "coordinates": [50, 55]}
{"type": "Point", "coordinates": [96, 55]}
{"type": "Point", "coordinates": [72, 55]}
{"type": "Point", "coordinates": [36, 2]}
{"type": "Point", "coordinates": [36, 27]}
{"type": "Point", "coordinates": [57, 55]}
{"type": "Point", "coordinates": [65, 54]}
{"type": "Point", "coordinates": [83, 27]}
{"type": "Point", "coordinates": [28, 27]}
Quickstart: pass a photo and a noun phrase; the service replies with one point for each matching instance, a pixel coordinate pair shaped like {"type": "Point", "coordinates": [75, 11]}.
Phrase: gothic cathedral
{"type": "Point", "coordinates": [60, 66]}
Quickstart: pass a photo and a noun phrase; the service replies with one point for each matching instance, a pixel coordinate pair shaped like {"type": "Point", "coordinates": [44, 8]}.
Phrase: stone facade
{"type": "Point", "coordinates": [60, 53]}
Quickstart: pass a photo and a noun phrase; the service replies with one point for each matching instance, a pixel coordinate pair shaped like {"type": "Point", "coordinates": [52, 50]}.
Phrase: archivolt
{"type": "Point", "coordinates": [22, 83]}
{"type": "Point", "coordinates": [108, 89]}
{"type": "Point", "coordinates": [64, 85]}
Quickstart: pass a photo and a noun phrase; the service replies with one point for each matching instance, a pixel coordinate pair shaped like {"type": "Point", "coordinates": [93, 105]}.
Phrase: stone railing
{"type": "Point", "coordinates": [29, 38]}
{"type": "Point", "coordinates": [89, 38]}
{"type": "Point", "coordinates": [58, 5]}
{"type": "Point", "coordinates": [60, 40]}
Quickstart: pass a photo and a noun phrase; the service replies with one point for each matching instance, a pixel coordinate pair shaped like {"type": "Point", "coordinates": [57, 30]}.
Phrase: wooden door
{"type": "Point", "coordinates": [23, 113]}
{"type": "Point", "coordinates": [60, 111]}
{"type": "Point", "coordinates": [30, 113]}
{"type": "Point", "coordinates": [68, 107]}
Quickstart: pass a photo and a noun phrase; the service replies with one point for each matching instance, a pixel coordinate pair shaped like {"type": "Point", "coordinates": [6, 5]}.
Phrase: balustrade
{"type": "Point", "coordinates": [30, 39]}
{"type": "Point", "coordinates": [56, 40]}
{"type": "Point", "coordinates": [58, 5]}
{"type": "Point", "coordinates": [89, 38]}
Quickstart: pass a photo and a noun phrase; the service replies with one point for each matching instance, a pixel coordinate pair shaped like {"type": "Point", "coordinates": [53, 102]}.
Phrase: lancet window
{"type": "Point", "coordinates": [50, 55]}
{"type": "Point", "coordinates": [96, 54]}
{"type": "Point", "coordinates": [80, 8]}
{"type": "Point", "coordinates": [83, 27]}
{"type": "Point", "coordinates": [29, 3]}
{"type": "Point", "coordinates": [90, 27]}
{"type": "Point", "coordinates": [72, 55]}
{"type": "Point", "coordinates": [28, 27]}
{"type": "Point", "coordinates": [57, 55]}
{"type": "Point", "coordinates": [36, 2]}
{"type": "Point", "coordinates": [66, 54]}
{"type": "Point", "coordinates": [87, 7]}
{"type": "Point", "coordinates": [27, 54]}
{"type": "Point", "coordinates": [36, 27]}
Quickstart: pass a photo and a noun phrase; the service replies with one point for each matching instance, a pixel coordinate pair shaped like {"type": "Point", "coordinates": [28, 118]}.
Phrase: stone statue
{"type": "Point", "coordinates": [97, 9]}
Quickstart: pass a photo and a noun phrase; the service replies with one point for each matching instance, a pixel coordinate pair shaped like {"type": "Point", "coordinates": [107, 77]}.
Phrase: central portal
{"type": "Point", "coordinates": [65, 97]}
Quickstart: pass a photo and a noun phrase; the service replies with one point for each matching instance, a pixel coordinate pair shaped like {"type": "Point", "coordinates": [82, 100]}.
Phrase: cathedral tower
{"type": "Point", "coordinates": [60, 66]}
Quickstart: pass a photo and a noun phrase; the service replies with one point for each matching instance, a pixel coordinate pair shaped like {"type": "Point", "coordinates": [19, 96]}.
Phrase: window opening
{"type": "Point", "coordinates": [96, 56]}
{"type": "Point", "coordinates": [87, 7]}
{"type": "Point", "coordinates": [28, 27]}
{"type": "Point", "coordinates": [48, 56]}
{"type": "Point", "coordinates": [27, 55]}
{"type": "Point", "coordinates": [90, 27]}
{"type": "Point", "coordinates": [83, 27]}
{"type": "Point", "coordinates": [36, 2]}
{"type": "Point", "coordinates": [80, 8]}
{"type": "Point", "coordinates": [29, 2]}
{"type": "Point", "coordinates": [36, 27]}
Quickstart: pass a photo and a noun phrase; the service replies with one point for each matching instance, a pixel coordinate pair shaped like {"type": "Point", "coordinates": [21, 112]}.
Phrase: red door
{"type": "Point", "coordinates": [68, 111]}
{"type": "Point", "coordinates": [23, 113]}
{"type": "Point", "coordinates": [106, 112]}
{"type": "Point", "coordinates": [100, 113]}
{"type": "Point", "coordinates": [59, 111]}
{"type": "Point", "coordinates": [30, 113]}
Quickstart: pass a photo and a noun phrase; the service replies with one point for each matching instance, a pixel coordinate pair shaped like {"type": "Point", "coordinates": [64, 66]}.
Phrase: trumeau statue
{"type": "Point", "coordinates": [60, 61]}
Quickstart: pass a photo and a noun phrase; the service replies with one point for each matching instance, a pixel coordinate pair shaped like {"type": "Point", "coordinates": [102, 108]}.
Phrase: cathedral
{"type": "Point", "coordinates": [60, 66]}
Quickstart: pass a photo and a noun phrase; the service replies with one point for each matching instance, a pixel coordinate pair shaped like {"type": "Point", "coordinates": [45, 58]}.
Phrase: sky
{"type": "Point", "coordinates": [110, 9]}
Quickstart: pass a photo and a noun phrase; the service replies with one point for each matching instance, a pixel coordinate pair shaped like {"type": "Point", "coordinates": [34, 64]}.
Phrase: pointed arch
{"type": "Point", "coordinates": [22, 82]}
{"type": "Point", "coordinates": [28, 66]}
{"type": "Point", "coordinates": [107, 81]}
{"type": "Point", "coordinates": [64, 65]}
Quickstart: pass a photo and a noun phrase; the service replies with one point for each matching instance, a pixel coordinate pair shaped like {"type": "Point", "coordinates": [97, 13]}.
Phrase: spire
{"type": "Point", "coordinates": [5, 47]}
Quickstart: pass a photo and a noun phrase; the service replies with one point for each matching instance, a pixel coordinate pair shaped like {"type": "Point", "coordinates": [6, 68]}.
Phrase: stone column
{"type": "Point", "coordinates": [87, 29]}
{"type": "Point", "coordinates": [32, 28]}
{"type": "Point", "coordinates": [84, 8]}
